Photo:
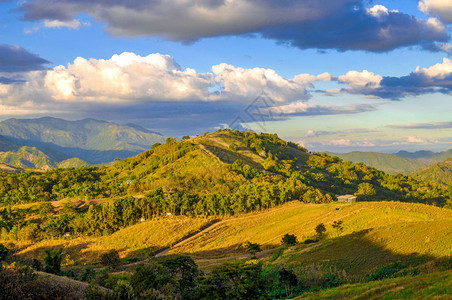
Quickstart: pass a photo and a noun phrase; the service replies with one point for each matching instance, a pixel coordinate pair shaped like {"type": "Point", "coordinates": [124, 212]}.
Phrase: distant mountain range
{"type": "Point", "coordinates": [401, 162]}
{"type": "Point", "coordinates": [46, 142]}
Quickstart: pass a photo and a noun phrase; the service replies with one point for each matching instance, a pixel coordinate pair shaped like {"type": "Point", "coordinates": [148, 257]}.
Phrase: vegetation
{"type": "Point", "coordinates": [440, 173]}
{"type": "Point", "coordinates": [185, 209]}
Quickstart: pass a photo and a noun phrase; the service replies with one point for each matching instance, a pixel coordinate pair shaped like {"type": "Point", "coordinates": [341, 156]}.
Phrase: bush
{"type": "Point", "coordinates": [110, 259]}
{"type": "Point", "coordinates": [52, 260]}
{"type": "Point", "coordinates": [386, 271]}
{"type": "Point", "coordinates": [320, 229]}
{"type": "Point", "coordinates": [289, 240]}
{"type": "Point", "coordinates": [3, 252]}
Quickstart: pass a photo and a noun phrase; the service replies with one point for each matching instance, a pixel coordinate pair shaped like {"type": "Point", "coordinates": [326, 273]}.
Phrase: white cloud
{"type": "Point", "coordinates": [73, 24]}
{"type": "Point", "coordinates": [443, 8]}
{"type": "Point", "coordinates": [415, 140]}
{"type": "Point", "coordinates": [437, 71]}
{"type": "Point", "coordinates": [378, 11]}
{"type": "Point", "coordinates": [364, 79]}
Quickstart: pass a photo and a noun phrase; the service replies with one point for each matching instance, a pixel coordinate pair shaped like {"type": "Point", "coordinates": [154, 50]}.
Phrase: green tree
{"type": "Point", "coordinates": [52, 260]}
{"type": "Point", "coordinates": [289, 240]}
{"type": "Point", "coordinates": [111, 259]}
{"type": "Point", "coordinates": [252, 248]}
{"type": "Point", "coordinates": [365, 191]}
{"type": "Point", "coordinates": [3, 252]}
{"type": "Point", "coordinates": [320, 230]}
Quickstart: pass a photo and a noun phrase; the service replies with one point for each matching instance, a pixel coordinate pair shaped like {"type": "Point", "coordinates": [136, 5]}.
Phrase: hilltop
{"type": "Point", "coordinates": [439, 173]}
{"type": "Point", "coordinates": [91, 140]}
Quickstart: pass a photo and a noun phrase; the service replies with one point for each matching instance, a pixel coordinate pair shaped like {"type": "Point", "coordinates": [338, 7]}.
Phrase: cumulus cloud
{"type": "Point", "coordinates": [132, 78]}
{"type": "Point", "coordinates": [15, 59]}
{"type": "Point", "coordinates": [442, 8]}
{"type": "Point", "coordinates": [330, 24]}
{"type": "Point", "coordinates": [437, 78]}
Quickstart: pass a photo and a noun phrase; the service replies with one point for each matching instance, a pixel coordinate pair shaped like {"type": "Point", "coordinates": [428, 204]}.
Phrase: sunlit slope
{"type": "Point", "coordinates": [426, 286]}
{"type": "Point", "coordinates": [140, 240]}
{"type": "Point", "coordinates": [267, 228]}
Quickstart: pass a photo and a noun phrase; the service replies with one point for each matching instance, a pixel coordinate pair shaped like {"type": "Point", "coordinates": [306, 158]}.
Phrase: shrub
{"type": "Point", "coordinates": [289, 240]}
{"type": "Point", "coordinates": [110, 259]}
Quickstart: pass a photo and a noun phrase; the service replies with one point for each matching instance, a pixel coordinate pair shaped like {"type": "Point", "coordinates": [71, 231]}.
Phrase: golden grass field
{"type": "Point", "coordinates": [374, 233]}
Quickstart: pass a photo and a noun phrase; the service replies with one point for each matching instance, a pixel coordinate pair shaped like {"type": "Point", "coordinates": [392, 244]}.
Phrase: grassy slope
{"type": "Point", "coordinates": [427, 286]}
{"type": "Point", "coordinates": [267, 228]}
{"type": "Point", "coordinates": [141, 240]}
{"type": "Point", "coordinates": [73, 163]}
{"type": "Point", "coordinates": [389, 163]}
{"type": "Point", "coordinates": [440, 173]}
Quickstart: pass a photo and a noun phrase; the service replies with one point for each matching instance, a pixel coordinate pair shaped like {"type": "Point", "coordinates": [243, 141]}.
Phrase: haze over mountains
{"type": "Point", "coordinates": [401, 162]}
{"type": "Point", "coordinates": [48, 141]}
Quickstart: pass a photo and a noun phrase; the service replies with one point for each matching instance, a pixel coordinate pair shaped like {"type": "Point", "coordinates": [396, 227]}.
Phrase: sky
{"type": "Point", "coordinates": [331, 75]}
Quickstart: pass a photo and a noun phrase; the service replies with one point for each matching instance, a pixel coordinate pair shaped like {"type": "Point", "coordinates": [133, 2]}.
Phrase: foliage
{"type": "Point", "coordinates": [3, 252]}
{"type": "Point", "coordinates": [234, 280]}
{"type": "Point", "coordinates": [53, 260]}
{"type": "Point", "coordinates": [320, 230]}
{"type": "Point", "coordinates": [386, 271]}
{"type": "Point", "coordinates": [289, 240]}
{"type": "Point", "coordinates": [252, 248]}
{"type": "Point", "coordinates": [110, 259]}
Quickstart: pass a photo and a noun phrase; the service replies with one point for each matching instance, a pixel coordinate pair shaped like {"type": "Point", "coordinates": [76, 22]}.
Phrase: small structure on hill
{"type": "Point", "coordinates": [346, 198]}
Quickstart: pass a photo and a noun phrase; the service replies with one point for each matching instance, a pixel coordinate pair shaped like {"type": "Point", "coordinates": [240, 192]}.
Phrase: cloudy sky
{"type": "Point", "coordinates": [335, 75]}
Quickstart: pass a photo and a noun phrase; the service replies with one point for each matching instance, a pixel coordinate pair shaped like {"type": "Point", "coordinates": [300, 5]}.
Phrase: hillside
{"type": "Point", "coordinates": [72, 163]}
{"type": "Point", "coordinates": [91, 140]}
{"type": "Point", "coordinates": [439, 173]}
{"type": "Point", "coordinates": [28, 158]}
{"type": "Point", "coordinates": [437, 285]}
{"type": "Point", "coordinates": [389, 163]}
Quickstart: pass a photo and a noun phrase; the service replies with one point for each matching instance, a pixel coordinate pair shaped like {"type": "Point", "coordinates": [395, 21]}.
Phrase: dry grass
{"type": "Point", "coordinates": [139, 240]}
{"type": "Point", "coordinates": [267, 228]}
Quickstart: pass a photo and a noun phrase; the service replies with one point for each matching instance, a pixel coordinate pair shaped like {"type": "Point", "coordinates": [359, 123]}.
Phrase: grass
{"type": "Point", "coordinates": [427, 286]}
{"type": "Point", "coordinates": [139, 240]}
{"type": "Point", "coordinates": [267, 228]}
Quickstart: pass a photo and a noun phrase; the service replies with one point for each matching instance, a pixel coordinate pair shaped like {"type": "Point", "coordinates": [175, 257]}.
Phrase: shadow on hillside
{"type": "Point", "coordinates": [353, 253]}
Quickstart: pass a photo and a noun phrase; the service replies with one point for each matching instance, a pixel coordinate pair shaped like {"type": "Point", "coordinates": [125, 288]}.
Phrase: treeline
{"type": "Point", "coordinates": [312, 178]}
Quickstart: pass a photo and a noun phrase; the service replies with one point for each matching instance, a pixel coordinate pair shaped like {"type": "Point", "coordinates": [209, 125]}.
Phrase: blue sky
{"type": "Point", "coordinates": [336, 75]}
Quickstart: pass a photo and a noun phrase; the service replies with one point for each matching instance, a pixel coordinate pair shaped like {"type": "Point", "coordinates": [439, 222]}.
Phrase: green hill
{"type": "Point", "coordinates": [389, 163]}
{"type": "Point", "coordinates": [439, 173]}
{"type": "Point", "coordinates": [72, 163]}
{"type": "Point", "coordinates": [28, 158]}
{"type": "Point", "coordinates": [89, 139]}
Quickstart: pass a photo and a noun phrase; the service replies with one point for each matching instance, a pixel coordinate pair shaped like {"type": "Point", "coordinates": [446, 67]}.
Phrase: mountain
{"type": "Point", "coordinates": [439, 173]}
{"type": "Point", "coordinates": [91, 140]}
{"type": "Point", "coordinates": [389, 163]}
{"type": "Point", "coordinates": [428, 157]}
{"type": "Point", "coordinates": [28, 158]}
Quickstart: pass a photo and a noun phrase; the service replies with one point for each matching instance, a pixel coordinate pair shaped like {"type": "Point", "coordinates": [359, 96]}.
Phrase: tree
{"type": "Point", "coordinates": [289, 240]}
{"type": "Point", "coordinates": [111, 259]}
{"type": "Point", "coordinates": [288, 280]}
{"type": "Point", "coordinates": [338, 226]}
{"type": "Point", "coordinates": [185, 137]}
{"type": "Point", "coordinates": [3, 252]}
{"type": "Point", "coordinates": [252, 248]}
{"type": "Point", "coordinates": [365, 191]}
{"type": "Point", "coordinates": [234, 280]}
{"type": "Point", "coordinates": [52, 260]}
{"type": "Point", "coordinates": [320, 230]}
